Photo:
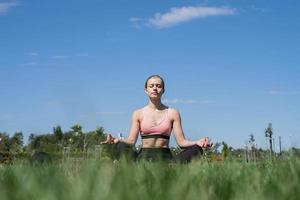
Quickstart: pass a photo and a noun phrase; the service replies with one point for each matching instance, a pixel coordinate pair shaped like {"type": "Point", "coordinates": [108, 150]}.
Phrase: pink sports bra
{"type": "Point", "coordinates": [164, 127]}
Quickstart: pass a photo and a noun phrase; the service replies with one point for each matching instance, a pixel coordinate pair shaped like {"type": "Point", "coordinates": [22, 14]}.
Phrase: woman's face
{"type": "Point", "coordinates": [154, 88]}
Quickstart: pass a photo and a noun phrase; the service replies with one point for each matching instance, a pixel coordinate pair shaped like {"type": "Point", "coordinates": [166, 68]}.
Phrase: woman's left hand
{"type": "Point", "coordinates": [110, 140]}
{"type": "Point", "coordinates": [204, 143]}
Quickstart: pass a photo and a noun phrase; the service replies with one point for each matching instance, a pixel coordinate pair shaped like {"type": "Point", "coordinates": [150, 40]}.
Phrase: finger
{"type": "Point", "coordinates": [209, 144]}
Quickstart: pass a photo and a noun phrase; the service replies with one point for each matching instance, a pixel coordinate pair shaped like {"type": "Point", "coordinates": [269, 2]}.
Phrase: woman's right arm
{"type": "Point", "coordinates": [134, 129]}
{"type": "Point", "coordinates": [133, 133]}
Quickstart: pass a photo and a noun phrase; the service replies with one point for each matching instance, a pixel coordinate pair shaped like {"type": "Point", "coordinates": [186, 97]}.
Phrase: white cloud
{"type": "Point", "coordinates": [111, 113]}
{"type": "Point", "coordinates": [275, 92]}
{"type": "Point", "coordinates": [259, 9]}
{"type": "Point", "coordinates": [186, 101]}
{"type": "Point", "coordinates": [282, 93]}
{"type": "Point", "coordinates": [52, 102]}
{"type": "Point", "coordinates": [185, 14]}
{"type": "Point", "coordinates": [138, 22]}
{"type": "Point", "coordinates": [59, 57]}
{"type": "Point", "coordinates": [29, 64]}
{"type": "Point", "coordinates": [135, 19]}
{"type": "Point", "coordinates": [181, 101]}
{"type": "Point", "coordinates": [33, 54]}
{"type": "Point", "coordinates": [6, 6]}
{"type": "Point", "coordinates": [207, 102]}
{"type": "Point", "coordinates": [82, 54]}
{"type": "Point", "coordinates": [5, 116]}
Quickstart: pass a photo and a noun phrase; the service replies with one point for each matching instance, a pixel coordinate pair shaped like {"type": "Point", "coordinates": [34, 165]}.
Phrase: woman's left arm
{"type": "Point", "coordinates": [179, 134]}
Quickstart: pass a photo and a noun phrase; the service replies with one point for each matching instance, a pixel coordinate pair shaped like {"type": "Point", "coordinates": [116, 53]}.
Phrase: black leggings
{"type": "Point", "coordinates": [153, 154]}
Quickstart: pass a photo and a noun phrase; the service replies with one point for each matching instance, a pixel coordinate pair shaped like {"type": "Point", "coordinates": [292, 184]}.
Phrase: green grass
{"type": "Point", "coordinates": [123, 180]}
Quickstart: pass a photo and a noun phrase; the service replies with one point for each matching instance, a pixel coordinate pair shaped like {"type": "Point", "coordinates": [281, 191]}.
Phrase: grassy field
{"type": "Point", "coordinates": [107, 180]}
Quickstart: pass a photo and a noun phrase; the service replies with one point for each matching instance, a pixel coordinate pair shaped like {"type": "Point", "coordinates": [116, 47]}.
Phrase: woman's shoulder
{"type": "Point", "coordinates": [138, 113]}
{"type": "Point", "coordinates": [173, 111]}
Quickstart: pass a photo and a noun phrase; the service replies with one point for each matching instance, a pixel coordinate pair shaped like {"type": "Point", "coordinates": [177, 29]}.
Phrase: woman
{"type": "Point", "coordinates": [155, 122]}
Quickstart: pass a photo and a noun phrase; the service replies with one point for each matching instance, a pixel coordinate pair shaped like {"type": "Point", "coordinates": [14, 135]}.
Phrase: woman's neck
{"type": "Point", "coordinates": [156, 104]}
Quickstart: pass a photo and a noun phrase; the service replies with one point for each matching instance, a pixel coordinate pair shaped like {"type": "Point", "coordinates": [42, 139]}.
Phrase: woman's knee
{"type": "Point", "coordinates": [189, 153]}
{"type": "Point", "coordinates": [197, 149]}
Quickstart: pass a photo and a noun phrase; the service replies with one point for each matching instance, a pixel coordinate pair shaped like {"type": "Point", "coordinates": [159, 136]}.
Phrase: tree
{"type": "Point", "coordinates": [77, 137]}
{"type": "Point", "coordinates": [99, 134]}
{"type": "Point", "coordinates": [252, 142]}
{"type": "Point", "coordinates": [252, 146]}
{"type": "Point", "coordinates": [76, 129]}
{"type": "Point", "coordinates": [226, 150]}
{"type": "Point", "coordinates": [35, 142]}
{"type": "Point", "coordinates": [57, 133]}
{"type": "Point", "coordinates": [99, 131]}
{"type": "Point", "coordinates": [31, 142]}
{"type": "Point", "coordinates": [251, 139]}
{"type": "Point", "coordinates": [31, 137]}
{"type": "Point", "coordinates": [4, 142]}
{"type": "Point", "coordinates": [16, 142]}
{"type": "Point", "coordinates": [215, 147]}
{"type": "Point", "coordinates": [269, 134]}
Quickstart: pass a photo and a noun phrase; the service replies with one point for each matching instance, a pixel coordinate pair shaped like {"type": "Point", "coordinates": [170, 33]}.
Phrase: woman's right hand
{"type": "Point", "coordinates": [204, 143]}
{"type": "Point", "coordinates": [110, 140]}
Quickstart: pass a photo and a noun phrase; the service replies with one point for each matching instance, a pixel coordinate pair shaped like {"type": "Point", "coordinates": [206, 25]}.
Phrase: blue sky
{"type": "Point", "coordinates": [230, 66]}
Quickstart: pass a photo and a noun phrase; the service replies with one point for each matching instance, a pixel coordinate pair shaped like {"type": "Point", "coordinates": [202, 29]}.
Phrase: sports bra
{"type": "Point", "coordinates": [150, 130]}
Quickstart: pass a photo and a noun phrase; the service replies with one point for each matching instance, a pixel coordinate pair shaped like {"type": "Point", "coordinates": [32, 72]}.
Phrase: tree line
{"type": "Point", "coordinates": [53, 142]}
{"type": "Point", "coordinates": [79, 142]}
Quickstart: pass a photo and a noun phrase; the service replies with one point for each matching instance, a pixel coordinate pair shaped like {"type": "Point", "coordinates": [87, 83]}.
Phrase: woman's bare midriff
{"type": "Point", "coordinates": [155, 143]}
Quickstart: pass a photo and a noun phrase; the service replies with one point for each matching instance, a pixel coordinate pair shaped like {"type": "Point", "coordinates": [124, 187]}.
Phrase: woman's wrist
{"type": "Point", "coordinates": [188, 143]}
{"type": "Point", "coordinates": [116, 140]}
